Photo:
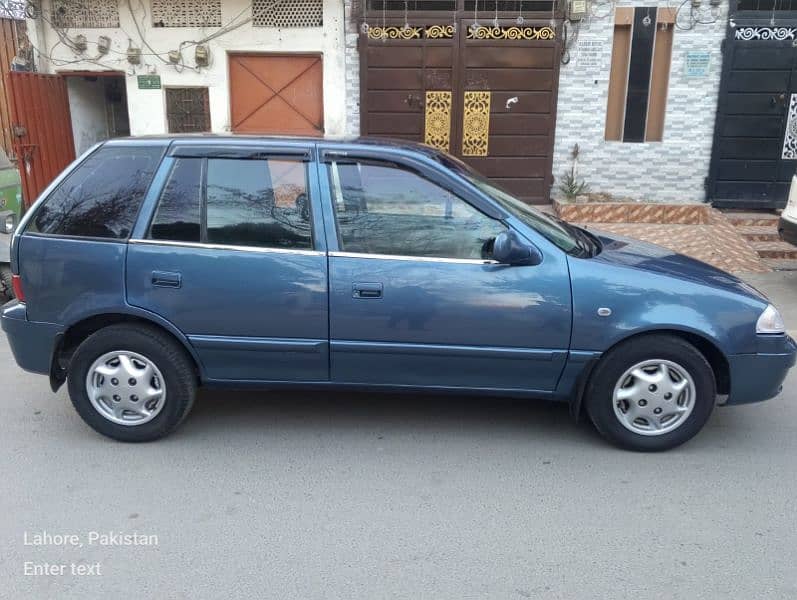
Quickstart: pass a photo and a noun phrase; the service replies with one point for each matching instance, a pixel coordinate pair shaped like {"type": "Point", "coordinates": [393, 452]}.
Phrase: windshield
{"type": "Point", "coordinates": [567, 237]}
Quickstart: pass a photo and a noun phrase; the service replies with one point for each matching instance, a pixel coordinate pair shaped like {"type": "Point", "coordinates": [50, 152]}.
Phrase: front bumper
{"type": "Point", "coordinates": [787, 229]}
{"type": "Point", "coordinates": [759, 376]}
{"type": "Point", "coordinates": [31, 343]}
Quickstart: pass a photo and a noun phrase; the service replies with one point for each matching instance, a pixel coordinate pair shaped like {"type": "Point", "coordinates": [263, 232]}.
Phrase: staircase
{"type": "Point", "coordinates": [760, 229]}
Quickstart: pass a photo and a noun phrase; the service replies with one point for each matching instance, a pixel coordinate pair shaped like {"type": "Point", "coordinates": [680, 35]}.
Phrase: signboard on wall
{"type": "Point", "coordinates": [591, 54]}
{"type": "Point", "coordinates": [697, 63]}
{"type": "Point", "coordinates": [149, 82]}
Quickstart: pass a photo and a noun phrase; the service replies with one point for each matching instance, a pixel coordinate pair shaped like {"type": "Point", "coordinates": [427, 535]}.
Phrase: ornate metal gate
{"type": "Point", "coordinates": [755, 140]}
{"type": "Point", "coordinates": [480, 84]}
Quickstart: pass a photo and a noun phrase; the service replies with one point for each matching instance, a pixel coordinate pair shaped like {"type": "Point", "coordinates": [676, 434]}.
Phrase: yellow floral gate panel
{"type": "Point", "coordinates": [437, 127]}
{"type": "Point", "coordinates": [476, 124]}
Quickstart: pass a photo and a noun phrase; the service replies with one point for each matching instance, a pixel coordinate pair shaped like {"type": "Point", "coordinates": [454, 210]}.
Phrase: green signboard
{"type": "Point", "coordinates": [149, 82]}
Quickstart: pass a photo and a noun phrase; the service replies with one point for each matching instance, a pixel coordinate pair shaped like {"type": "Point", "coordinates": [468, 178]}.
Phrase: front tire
{"type": "Point", "coordinates": [132, 383]}
{"type": "Point", "coordinates": [651, 393]}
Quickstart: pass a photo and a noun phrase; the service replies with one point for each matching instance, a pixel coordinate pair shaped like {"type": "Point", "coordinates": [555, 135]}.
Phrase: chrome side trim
{"type": "Point", "coordinates": [433, 259]}
{"type": "Point", "coordinates": [205, 246]}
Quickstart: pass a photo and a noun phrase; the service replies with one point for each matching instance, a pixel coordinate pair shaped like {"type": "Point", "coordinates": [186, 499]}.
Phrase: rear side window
{"type": "Point", "coordinates": [247, 202]}
{"type": "Point", "coordinates": [100, 198]}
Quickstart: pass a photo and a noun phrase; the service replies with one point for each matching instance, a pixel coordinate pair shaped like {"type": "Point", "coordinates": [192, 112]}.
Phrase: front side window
{"type": "Point", "coordinates": [382, 208]}
{"type": "Point", "coordinates": [101, 197]}
{"type": "Point", "coordinates": [261, 203]}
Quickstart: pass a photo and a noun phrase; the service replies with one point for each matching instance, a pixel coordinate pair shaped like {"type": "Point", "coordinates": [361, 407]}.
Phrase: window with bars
{"type": "Point", "coordinates": [287, 13]}
{"type": "Point", "coordinates": [186, 13]}
{"type": "Point", "coordinates": [85, 14]}
{"type": "Point", "coordinates": [187, 110]}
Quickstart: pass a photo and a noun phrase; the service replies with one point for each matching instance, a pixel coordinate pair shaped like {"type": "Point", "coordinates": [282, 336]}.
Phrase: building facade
{"type": "Point", "coordinates": [677, 76]}
{"type": "Point", "coordinates": [512, 87]}
{"type": "Point", "coordinates": [197, 65]}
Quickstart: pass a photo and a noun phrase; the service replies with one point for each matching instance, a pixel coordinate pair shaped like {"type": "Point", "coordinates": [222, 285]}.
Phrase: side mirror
{"type": "Point", "coordinates": [510, 249]}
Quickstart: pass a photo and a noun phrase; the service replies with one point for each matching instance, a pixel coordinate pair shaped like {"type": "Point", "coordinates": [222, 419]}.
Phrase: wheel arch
{"type": "Point", "coordinates": [77, 332]}
{"type": "Point", "coordinates": [707, 347]}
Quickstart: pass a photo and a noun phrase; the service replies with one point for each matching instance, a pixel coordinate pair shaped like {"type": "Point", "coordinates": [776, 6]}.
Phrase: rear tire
{"type": "Point", "coordinates": [651, 393]}
{"type": "Point", "coordinates": [111, 397]}
{"type": "Point", "coordinates": [6, 283]}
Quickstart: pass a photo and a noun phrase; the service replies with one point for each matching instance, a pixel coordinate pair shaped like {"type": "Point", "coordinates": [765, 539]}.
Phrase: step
{"type": "Point", "coordinates": [781, 264]}
{"type": "Point", "coordinates": [759, 233]}
{"type": "Point", "coordinates": [752, 219]}
{"type": "Point", "coordinates": [775, 250]}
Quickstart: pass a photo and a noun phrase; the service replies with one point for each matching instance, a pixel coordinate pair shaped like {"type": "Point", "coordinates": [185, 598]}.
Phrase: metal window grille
{"type": "Point", "coordinates": [287, 13]}
{"type": "Point", "coordinates": [187, 110]}
{"type": "Point", "coordinates": [85, 13]}
{"type": "Point", "coordinates": [186, 13]}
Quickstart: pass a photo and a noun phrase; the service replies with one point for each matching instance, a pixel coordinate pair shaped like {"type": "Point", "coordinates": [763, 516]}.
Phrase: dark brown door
{"type": "Point", "coordinates": [399, 68]}
{"type": "Point", "coordinates": [276, 94]}
{"type": "Point", "coordinates": [509, 78]}
{"type": "Point", "coordinates": [485, 94]}
{"type": "Point", "coordinates": [42, 127]}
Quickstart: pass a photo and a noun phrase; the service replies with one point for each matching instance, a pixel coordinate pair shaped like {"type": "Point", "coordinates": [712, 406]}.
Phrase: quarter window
{"type": "Point", "coordinates": [382, 208]}
{"type": "Point", "coordinates": [261, 203]}
{"type": "Point", "coordinates": [100, 198]}
{"type": "Point", "coordinates": [178, 217]}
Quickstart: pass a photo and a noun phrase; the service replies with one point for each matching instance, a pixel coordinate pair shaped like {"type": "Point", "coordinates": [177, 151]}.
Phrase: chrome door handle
{"type": "Point", "coordinates": [166, 279]}
{"type": "Point", "coordinates": [366, 290]}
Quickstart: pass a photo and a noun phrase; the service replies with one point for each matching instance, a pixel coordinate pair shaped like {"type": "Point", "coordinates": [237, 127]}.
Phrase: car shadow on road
{"type": "Point", "coordinates": [217, 412]}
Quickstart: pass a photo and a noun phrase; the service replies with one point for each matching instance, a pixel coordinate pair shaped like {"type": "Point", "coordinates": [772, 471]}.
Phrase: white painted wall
{"type": "Point", "coordinates": [672, 170]}
{"type": "Point", "coordinates": [147, 107]}
{"type": "Point", "coordinates": [87, 107]}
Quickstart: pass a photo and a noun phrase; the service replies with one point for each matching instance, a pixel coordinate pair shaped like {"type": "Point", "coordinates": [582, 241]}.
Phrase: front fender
{"type": "Point", "coordinates": [641, 301]}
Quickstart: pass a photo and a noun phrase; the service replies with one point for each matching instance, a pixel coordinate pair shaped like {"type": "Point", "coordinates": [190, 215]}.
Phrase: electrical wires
{"type": "Point", "coordinates": [163, 56]}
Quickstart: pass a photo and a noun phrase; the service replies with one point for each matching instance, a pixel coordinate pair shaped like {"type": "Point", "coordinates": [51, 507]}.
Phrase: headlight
{"type": "Point", "coordinates": [8, 224]}
{"type": "Point", "coordinates": [770, 321]}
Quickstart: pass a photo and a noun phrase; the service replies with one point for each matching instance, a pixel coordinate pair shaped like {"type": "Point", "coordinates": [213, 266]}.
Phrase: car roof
{"type": "Point", "coordinates": [221, 139]}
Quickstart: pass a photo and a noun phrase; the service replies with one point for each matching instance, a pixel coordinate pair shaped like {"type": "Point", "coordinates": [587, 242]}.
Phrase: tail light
{"type": "Point", "coordinates": [16, 283]}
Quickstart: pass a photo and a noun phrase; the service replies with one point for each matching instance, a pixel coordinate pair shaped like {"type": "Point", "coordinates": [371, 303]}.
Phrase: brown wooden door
{"type": "Point", "coordinates": [516, 70]}
{"type": "Point", "coordinates": [42, 127]}
{"type": "Point", "coordinates": [487, 95]}
{"type": "Point", "coordinates": [276, 94]}
{"type": "Point", "coordinates": [397, 74]}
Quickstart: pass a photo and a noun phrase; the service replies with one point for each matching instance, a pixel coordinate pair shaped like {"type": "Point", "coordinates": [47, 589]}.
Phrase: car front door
{"type": "Point", "coordinates": [415, 299]}
{"type": "Point", "coordinates": [233, 258]}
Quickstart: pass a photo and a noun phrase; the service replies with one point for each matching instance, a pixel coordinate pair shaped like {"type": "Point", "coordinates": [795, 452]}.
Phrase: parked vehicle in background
{"type": "Point", "coordinates": [152, 266]}
{"type": "Point", "coordinates": [787, 225]}
{"type": "Point", "coordinates": [10, 211]}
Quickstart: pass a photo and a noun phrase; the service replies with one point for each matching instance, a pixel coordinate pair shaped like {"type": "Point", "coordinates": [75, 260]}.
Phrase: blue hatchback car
{"type": "Point", "coordinates": [153, 266]}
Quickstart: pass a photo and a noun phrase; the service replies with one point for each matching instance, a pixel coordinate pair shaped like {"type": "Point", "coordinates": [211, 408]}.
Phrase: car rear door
{"type": "Point", "coordinates": [413, 302]}
{"type": "Point", "coordinates": [233, 254]}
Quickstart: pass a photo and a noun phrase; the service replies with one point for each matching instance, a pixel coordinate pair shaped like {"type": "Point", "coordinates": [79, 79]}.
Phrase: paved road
{"type": "Point", "coordinates": [355, 496]}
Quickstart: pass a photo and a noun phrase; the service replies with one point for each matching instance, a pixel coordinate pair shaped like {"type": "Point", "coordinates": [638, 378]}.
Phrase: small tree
{"type": "Point", "coordinates": [571, 186]}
